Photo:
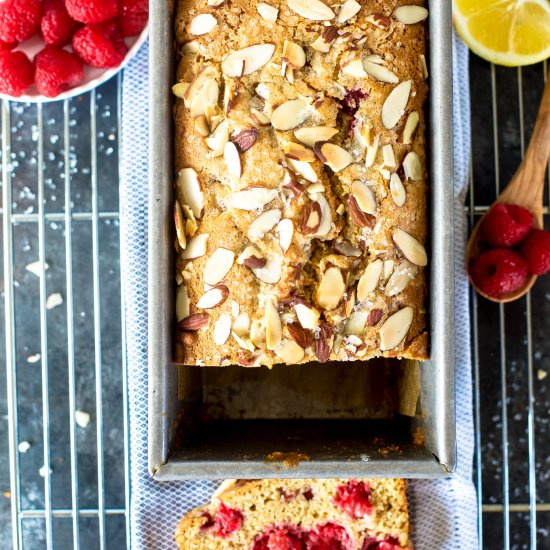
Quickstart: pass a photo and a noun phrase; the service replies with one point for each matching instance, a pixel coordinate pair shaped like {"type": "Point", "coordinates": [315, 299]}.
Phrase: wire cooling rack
{"type": "Point", "coordinates": [63, 411]}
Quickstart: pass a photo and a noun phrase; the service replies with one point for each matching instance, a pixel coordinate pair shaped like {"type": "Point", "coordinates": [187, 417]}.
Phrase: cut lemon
{"type": "Point", "coordinates": [506, 32]}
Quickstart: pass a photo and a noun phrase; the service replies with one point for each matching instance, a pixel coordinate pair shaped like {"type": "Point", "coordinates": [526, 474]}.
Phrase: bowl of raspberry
{"type": "Point", "coordinates": [56, 49]}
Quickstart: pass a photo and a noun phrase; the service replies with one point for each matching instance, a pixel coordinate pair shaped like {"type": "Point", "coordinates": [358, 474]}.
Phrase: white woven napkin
{"type": "Point", "coordinates": [444, 513]}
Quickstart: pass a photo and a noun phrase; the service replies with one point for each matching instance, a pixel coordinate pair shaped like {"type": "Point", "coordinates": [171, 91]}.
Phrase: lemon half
{"type": "Point", "coordinates": [506, 32]}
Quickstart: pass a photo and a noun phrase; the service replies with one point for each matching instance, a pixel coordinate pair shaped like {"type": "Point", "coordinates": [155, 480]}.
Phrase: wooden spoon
{"type": "Point", "coordinates": [525, 189]}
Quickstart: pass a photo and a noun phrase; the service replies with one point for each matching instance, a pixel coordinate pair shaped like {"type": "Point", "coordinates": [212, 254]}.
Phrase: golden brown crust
{"type": "Point", "coordinates": [265, 504]}
{"type": "Point", "coordinates": [323, 87]}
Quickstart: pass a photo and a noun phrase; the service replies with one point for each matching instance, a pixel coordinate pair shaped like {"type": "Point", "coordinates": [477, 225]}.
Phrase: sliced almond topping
{"type": "Point", "coordinates": [354, 68]}
{"type": "Point", "coordinates": [379, 72]}
{"type": "Point", "coordinates": [372, 150]}
{"type": "Point", "coordinates": [364, 196]}
{"type": "Point", "coordinates": [322, 344]}
{"type": "Point", "coordinates": [222, 329]}
{"type": "Point", "coordinates": [198, 82]}
{"type": "Point", "coordinates": [213, 298]}
{"type": "Point", "coordinates": [388, 269]}
{"type": "Point", "coordinates": [349, 9]}
{"type": "Point", "coordinates": [347, 249]}
{"type": "Point", "coordinates": [362, 219]}
{"type": "Point", "coordinates": [182, 303]}
{"type": "Point", "coordinates": [191, 191]}
{"type": "Point", "coordinates": [246, 139]}
{"type": "Point", "coordinates": [180, 88]}
{"type": "Point", "coordinates": [190, 223]}
{"type": "Point", "coordinates": [218, 266]}
{"type": "Point", "coordinates": [410, 247]}
{"type": "Point", "coordinates": [289, 114]}
{"type": "Point", "coordinates": [304, 169]}
{"type": "Point", "coordinates": [307, 315]}
{"type": "Point", "coordinates": [241, 325]}
{"type": "Point", "coordinates": [191, 47]}
{"type": "Point", "coordinates": [218, 138]}
{"type": "Point", "coordinates": [300, 335]}
{"type": "Point", "coordinates": [412, 167]}
{"type": "Point", "coordinates": [252, 258]}
{"type": "Point", "coordinates": [259, 117]}
{"type": "Point", "coordinates": [326, 216]}
{"type": "Point", "coordinates": [324, 41]}
{"type": "Point", "coordinates": [349, 302]}
{"type": "Point", "coordinates": [290, 352]}
{"type": "Point", "coordinates": [253, 57]}
{"type": "Point", "coordinates": [180, 225]}
{"type": "Point", "coordinates": [388, 156]}
{"type": "Point", "coordinates": [336, 157]}
{"type": "Point", "coordinates": [397, 190]}
{"type": "Point", "coordinates": [395, 328]}
{"type": "Point", "coordinates": [369, 280]}
{"type": "Point", "coordinates": [331, 288]}
{"type": "Point", "coordinates": [267, 12]}
{"type": "Point", "coordinates": [232, 159]}
{"type": "Point", "coordinates": [315, 188]}
{"type": "Point", "coordinates": [379, 20]}
{"type": "Point", "coordinates": [270, 273]}
{"type": "Point", "coordinates": [424, 66]}
{"type": "Point", "coordinates": [403, 274]}
{"type": "Point", "coordinates": [202, 24]}
{"type": "Point", "coordinates": [410, 127]}
{"type": "Point", "coordinates": [362, 133]}
{"type": "Point", "coordinates": [273, 328]}
{"type": "Point", "coordinates": [194, 322]}
{"type": "Point", "coordinates": [395, 104]}
{"type": "Point", "coordinates": [293, 55]}
{"type": "Point", "coordinates": [311, 135]}
{"type": "Point", "coordinates": [243, 343]}
{"type": "Point", "coordinates": [201, 125]}
{"type": "Point", "coordinates": [215, 3]}
{"type": "Point", "coordinates": [253, 198]}
{"type": "Point", "coordinates": [315, 10]}
{"type": "Point", "coordinates": [296, 151]}
{"type": "Point", "coordinates": [311, 218]}
{"type": "Point", "coordinates": [196, 247]}
{"type": "Point", "coordinates": [285, 229]}
{"type": "Point", "coordinates": [263, 223]}
{"type": "Point", "coordinates": [356, 323]}
{"type": "Point", "coordinates": [409, 15]}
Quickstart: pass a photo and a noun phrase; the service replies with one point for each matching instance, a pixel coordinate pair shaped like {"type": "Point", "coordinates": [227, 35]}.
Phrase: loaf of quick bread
{"type": "Point", "coordinates": [300, 192]}
{"type": "Point", "coordinates": [300, 514]}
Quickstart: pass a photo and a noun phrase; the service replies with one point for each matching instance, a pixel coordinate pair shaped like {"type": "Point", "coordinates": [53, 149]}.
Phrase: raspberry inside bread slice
{"type": "Point", "coordinates": [300, 514]}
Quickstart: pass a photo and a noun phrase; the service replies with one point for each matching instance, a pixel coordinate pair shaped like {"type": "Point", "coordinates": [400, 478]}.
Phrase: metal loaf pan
{"type": "Point", "coordinates": [309, 445]}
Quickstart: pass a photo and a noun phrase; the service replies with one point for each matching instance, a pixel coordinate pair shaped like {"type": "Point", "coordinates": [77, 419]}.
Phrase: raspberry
{"type": "Point", "coordinates": [354, 498]}
{"type": "Point", "coordinates": [280, 538]}
{"type": "Point", "coordinates": [226, 521]}
{"type": "Point", "coordinates": [92, 11]}
{"type": "Point", "coordinates": [132, 16]}
{"type": "Point", "coordinates": [372, 543]}
{"type": "Point", "coordinates": [535, 249]}
{"type": "Point", "coordinates": [499, 271]}
{"type": "Point", "coordinates": [100, 45]}
{"type": "Point", "coordinates": [506, 225]}
{"type": "Point", "coordinates": [19, 19]}
{"type": "Point", "coordinates": [56, 70]}
{"type": "Point", "coordinates": [57, 27]}
{"type": "Point", "coordinates": [7, 45]}
{"type": "Point", "coordinates": [328, 537]}
{"type": "Point", "coordinates": [16, 73]}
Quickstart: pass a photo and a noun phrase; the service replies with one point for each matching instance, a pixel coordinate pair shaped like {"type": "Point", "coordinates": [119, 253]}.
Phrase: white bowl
{"type": "Point", "coordinates": [93, 77]}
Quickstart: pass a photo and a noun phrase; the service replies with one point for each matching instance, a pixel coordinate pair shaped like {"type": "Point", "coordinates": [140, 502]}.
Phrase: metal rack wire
{"type": "Point", "coordinates": [91, 508]}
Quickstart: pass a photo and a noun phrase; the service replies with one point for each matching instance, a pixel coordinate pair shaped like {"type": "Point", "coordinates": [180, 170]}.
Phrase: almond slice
{"type": "Point", "coordinates": [398, 193]}
{"type": "Point", "coordinates": [182, 303]}
{"type": "Point", "coordinates": [314, 10]}
{"type": "Point", "coordinates": [372, 150]}
{"type": "Point", "coordinates": [243, 343]}
{"type": "Point", "coordinates": [201, 125]}
{"type": "Point", "coordinates": [311, 218]}
{"type": "Point", "coordinates": [241, 325]}
{"type": "Point", "coordinates": [290, 352]}
{"type": "Point", "coordinates": [190, 190]}
{"type": "Point", "coordinates": [252, 258]}
{"type": "Point", "coordinates": [324, 41]}
{"type": "Point", "coordinates": [336, 157]}
{"type": "Point", "coordinates": [403, 274]}
{"type": "Point", "coordinates": [354, 68]}
{"type": "Point", "coordinates": [410, 247]}
{"type": "Point", "coordinates": [194, 322]}
{"type": "Point", "coordinates": [326, 216]}
{"type": "Point", "coordinates": [395, 104]}
{"type": "Point", "coordinates": [388, 269]}
{"type": "Point", "coordinates": [388, 156]}
{"type": "Point", "coordinates": [218, 138]}
{"type": "Point", "coordinates": [232, 159]}
{"type": "Point", "coordinates": [362, 219]}
{"type": "Point", "coordinates": [263, 223]}
{"type": "Point", "coordinates": [364, 196]}
{"type": "Point", "coordinates": [246, 139]}
{"type": "Point", "coordinates": [412, 166]}
{"type": "Point", "coordinates": [349, 9]}
{"type": "Point", "coordinates": [191, 47]}
{"type": "Point", "coordinates": [410, 128]}
{"type": "Point", "coordinates": [349, 301]}
{"type": "Point", "coordinates": [213, 298]}
{"type": "Point", "coordinates": [222, 329]}
{"type": "Point", "coordinates": [198, 82]}
{"type": "Point", "coordinates": [297, 151]}
{"type": "Point", "coordinates": [207, 96]}
{"type": "Point", "coordinates": [253, 57]}
{"type": "Point", "coordinates": [304, 169]}
{"type": "Point", "coordinates": [289, 114]}
{"type": "Point", "coordinates": [267, 12]}
{"type": "Point", "coordinates": [331, 288]}
{"type": "Point", "coordinates": [369, 280]}
{"type": "Point", "coordinates": [356, 323]}
{"type": "Point", "coordinates": [311, 135]}
{"type": "Point", "coordinates": [409, 15]}
{"type": "Point", "coordinates": [395, 328]}
{"type": "Point", "coordinates": [180, 88]}
{"type": "Point", "coordinates": [253, 198]}
{"type": "Point", "coordinates": [347, 249]}
{"type": "Point", "coordinates": [180, 225]}
{"type": "Point", "coordinates": [293, 55]}
{"type": "Point", "coordinates": [270, 273]}
{"type": "Point", "coordinates": [285, 229]}
{"type": "Point", "coordinates": [301, 336]}
{"type": "Point", "coordinates": [379, 72]}
{"type": "Point", "coordinates": [379, 20]}
{"type": "Point", "coordinates": [218, 266]}
{"type": "Point", "coordinates": [273, 328]}
{"type": "Point", "coordinates": [307, 315]}
{"type": "Point", "coordinates": [196, 247]}
{"type": "Point", "coordinates": [202, 24]}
